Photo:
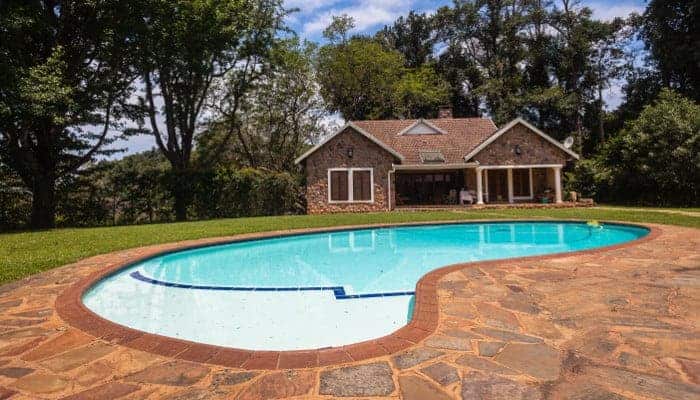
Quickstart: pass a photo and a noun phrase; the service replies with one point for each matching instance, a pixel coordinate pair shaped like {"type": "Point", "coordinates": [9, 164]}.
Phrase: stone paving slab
{"type": "Point", "coordinates": [616, 323]}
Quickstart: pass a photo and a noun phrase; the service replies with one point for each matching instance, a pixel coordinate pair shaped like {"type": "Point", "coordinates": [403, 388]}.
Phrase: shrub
{"type": "Point", "coordinates": [15, 201]}
{"type": "Point", "coordinates": [655, 159]}
{"type": "Point", "coordinates": [229, 192]}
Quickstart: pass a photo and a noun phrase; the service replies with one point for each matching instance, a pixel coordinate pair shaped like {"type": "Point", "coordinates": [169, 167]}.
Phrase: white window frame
{"type": "Point", "coordinates": [351, 195]}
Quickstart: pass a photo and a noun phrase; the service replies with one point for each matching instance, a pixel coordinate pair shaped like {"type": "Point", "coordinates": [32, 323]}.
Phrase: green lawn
{"type": "Point", "coordinates": [26, 253]}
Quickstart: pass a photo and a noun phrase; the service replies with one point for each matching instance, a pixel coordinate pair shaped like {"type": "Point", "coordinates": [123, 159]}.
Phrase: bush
{"type": "Point", "coordinates": [230, 192]}
{"type": "Point", "coordinates": [585, 179]}
{"type": "Point", "coordinates": [655, 160]}
{"type": "Point", "coordinates": [15, 201]}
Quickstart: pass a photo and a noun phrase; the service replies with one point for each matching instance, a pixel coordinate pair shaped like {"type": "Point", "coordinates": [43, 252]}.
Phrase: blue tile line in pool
{"type": "Point", "coordinates": [338, 291]}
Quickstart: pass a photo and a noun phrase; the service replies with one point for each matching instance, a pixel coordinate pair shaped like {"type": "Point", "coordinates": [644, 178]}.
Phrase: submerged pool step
{"type": "Point", "coordinates": [338, 291]}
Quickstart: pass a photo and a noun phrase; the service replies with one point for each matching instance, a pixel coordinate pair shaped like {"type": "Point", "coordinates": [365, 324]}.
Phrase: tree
{"type": "Point", "coordinates": [656, 158]}
{"type": "Point", "coordinates": [337, 31]}
{"type": "Point", "coordinates": [419, 93]}
{"type": "Point", "coordinates": [413, 36]}
{"type": "Point", "coordinates": [488, 32]}
{"type": "Point", "coordinates": [357, 78]}
{"type": "Point", "coordinates": [607, 61]}
{"type": "Point", "coordinates": [362, 79]}
{"type": "Point", "coordinates": [670, 32]}
{"type": "Point", "coordinates": [15, 200]}
{"type": "Point", "coordinates": [186, 50]}
{"type": "Point", "coordinates": [64, 80]}
{"type": "Point", "coordinates": [281, 113]}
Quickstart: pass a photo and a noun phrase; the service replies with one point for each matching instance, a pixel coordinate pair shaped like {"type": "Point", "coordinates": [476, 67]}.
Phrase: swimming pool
{"type": "Point", "coordinates": [316, 290]}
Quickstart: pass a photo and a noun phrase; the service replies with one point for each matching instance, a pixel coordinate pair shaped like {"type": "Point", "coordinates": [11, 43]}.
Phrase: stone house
{"type": "Point", "coordinates": [385, 164]}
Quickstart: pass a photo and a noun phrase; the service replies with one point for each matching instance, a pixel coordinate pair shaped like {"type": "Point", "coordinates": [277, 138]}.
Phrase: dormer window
{"type": "Point", "coordinates": [422, 127]}
{"type": "Point", "coordinates": [431, 157]}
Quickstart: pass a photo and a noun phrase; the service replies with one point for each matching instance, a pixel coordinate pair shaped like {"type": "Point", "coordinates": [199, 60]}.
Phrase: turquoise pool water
{"type": "Point", "coordinates": [316, 290]}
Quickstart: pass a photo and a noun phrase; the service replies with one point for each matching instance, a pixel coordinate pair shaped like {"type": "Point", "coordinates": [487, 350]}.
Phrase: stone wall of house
{"type": "Point", "coordinates": [534, 149]}
{"type": "Point", "coordinates": [334, 154]}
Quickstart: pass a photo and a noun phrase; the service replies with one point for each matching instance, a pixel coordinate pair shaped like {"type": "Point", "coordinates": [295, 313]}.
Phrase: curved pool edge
{"type": "Point", "coordinates": [424, 322]}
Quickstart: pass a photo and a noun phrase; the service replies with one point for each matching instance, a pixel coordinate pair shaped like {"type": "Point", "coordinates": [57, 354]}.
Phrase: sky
{"type": "Point", "coordinates": [370, 16]}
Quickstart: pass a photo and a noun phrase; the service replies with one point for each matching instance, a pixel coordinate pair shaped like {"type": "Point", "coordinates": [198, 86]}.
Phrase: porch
{"type": "Point", "coordinates": [477, 185]}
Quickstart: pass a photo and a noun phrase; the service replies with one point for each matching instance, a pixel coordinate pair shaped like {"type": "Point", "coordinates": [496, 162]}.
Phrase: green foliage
{"type": "Point", "coordinates": [337, 30]}
{"type": "Point", "coordinates": [136, 188]}
{"type": "Point", "coordinates": [670, 31]}
{"type": "Point", "coordinates": [15, 200]}
{"type": "Point", "coordinates": [357, 78]}
{"type": "Point", "coordinates": [419, 93]}
{"type": "Point", "coordinates": [546, 61]}
{"type": "Point", "coordinates": [196, 54]}
{"type": "Point", "coordinates": [278, 116]}
{"type": "Point", "coordinates": [654, 160]}
{"type": "Point", "coordinates": [229, 192]}
{"type": "Point", "coordinates": [64, 80]}
{"type": "Point", "coordinates": [361, 79]}
{"type": "Point", "coordinates": [413, 36]}
{"type": "Point", "coordinates": [588, 178]}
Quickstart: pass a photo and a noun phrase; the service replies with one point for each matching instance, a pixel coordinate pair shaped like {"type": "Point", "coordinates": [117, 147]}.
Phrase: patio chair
{"type": "Point", "coordinates": [466, 195]}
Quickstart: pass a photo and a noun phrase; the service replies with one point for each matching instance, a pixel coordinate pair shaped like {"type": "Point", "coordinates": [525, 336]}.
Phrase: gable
{"type": "Point", "coordinates": [422, 127]}
{"type": "Point", "coordinates": [349, 148]}
{"type": "Point", "coordinates": [520, 145]}
{"type": "Point", "coordinates": [356, 129]}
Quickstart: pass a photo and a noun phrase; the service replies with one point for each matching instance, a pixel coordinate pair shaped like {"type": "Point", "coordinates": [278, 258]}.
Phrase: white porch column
{"type": "Point", "coordinates": [510, 185]}
{"type": "Point", "coordinates": [479, 187]}
{"type": "Point", "coordinates": [557, 184]}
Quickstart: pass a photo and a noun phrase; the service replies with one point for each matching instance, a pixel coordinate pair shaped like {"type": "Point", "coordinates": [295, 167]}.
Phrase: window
{"type": "Point", "coordinates": [431, 157]}
{"type": "Point", "coordinates": [361, 186]}
{"type": "Point", "coordinates": [339, 185]}
{"type": "Point", "coordinates": [521, 182]}
{"type": "Point", "coordinates": [350, 185]}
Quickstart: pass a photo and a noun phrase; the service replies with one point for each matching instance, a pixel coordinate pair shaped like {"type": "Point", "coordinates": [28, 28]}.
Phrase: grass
{"type": "Point", "coordinates": [26, 253]}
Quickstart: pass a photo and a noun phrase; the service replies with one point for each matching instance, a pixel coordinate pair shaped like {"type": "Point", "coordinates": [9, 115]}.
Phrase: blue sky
{"type": "Point", "coordinates": [314, 15]}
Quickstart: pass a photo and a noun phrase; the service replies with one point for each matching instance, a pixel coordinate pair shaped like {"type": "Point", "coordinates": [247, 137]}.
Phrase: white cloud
{"type": "Point", "coordinates": [608, 12]}
{"type": "Point", "coordinates": [614, 95]}
{"type": "Point", "coordinates": [367, 14]}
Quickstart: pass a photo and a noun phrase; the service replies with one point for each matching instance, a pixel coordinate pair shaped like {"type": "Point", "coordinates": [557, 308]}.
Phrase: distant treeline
{"type": "Point", "coordinates": [136, 190]}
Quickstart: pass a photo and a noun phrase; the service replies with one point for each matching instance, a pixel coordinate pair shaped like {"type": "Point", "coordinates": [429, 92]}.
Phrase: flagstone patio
{"type": "Point", "coordinates": [615, 323]}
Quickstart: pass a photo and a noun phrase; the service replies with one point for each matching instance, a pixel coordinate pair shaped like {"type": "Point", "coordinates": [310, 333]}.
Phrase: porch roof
{"type": "Point", "coordinates": [433, 167]}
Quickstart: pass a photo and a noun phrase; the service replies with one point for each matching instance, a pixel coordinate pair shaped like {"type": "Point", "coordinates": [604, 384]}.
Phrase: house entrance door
{"type": "Point", "coordinates": [498, 185]}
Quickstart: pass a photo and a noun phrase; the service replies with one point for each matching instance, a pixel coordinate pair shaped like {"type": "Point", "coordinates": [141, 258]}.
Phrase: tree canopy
{"type": "Point", "coordinates": [670, 29]}
{"type": "Point", "coordinates": [276, 119]}
{"type": "Point", "coordinates": [362, 79]}
{"type": "Point", "coordinates": [65, 77]}
{"type": "Point", "coordinates": [656, 158]}
{"type": "Point", "coordinates": [187, 50]}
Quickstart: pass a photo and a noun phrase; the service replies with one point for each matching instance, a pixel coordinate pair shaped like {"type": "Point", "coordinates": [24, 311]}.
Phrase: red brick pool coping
{"type": "Point", "coordinates": [71, 309]}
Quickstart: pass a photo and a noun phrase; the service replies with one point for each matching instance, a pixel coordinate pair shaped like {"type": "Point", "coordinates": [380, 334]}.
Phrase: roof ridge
{"type": "Point", "coordinates": [418, 119]}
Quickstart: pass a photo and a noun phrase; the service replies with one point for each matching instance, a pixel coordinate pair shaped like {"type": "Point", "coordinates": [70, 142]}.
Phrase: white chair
{"type": "Point", "coordinates": [466, 195]}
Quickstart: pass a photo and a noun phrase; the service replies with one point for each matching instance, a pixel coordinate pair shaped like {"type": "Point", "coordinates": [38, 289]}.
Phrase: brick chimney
{"type": "Point", "coordinates": [445, 112]}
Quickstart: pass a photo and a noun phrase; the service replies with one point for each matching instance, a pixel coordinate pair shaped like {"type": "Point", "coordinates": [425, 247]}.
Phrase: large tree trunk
{"type": "Point", "coordinates": [181, 190]}
{"type": "Point", "coordinates": [43, 202]}
{"type": "Point", "coordinates": [180, 206]}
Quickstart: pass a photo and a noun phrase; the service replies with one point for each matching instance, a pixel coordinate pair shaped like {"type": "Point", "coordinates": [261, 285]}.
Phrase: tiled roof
{"type": "Point", "coordinates": [460, 137]}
